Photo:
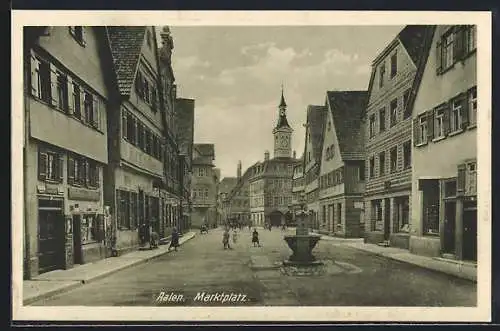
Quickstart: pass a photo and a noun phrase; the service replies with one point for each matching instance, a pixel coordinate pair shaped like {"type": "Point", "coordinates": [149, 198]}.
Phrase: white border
{"type": "Point", "coordinates": [199, 18]}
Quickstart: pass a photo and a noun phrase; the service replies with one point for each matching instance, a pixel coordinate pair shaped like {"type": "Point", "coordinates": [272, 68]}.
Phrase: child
{"type": "Point", "coordinates": [255, 238]}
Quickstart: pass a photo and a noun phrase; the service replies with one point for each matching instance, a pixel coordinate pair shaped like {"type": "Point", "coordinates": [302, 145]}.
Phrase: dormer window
{"type": "Point", "coordinates": [78, 33]}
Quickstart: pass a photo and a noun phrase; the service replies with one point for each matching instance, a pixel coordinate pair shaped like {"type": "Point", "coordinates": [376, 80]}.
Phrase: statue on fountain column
{"type": "Point", "coordinates": [167, 45]}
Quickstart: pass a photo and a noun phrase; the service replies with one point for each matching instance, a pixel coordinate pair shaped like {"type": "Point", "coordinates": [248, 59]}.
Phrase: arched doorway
{"type": "Point", "coordinates": [275, 218]}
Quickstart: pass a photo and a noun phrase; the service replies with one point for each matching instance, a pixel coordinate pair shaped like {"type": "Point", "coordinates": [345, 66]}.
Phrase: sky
{"type": "Point", "coordinates": [235, 75]}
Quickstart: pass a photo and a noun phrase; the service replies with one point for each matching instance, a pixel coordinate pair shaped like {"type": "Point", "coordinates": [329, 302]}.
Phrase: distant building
{"type": "Point", "coordinates": [184, 112]}
{"type": "Point", "coordinates": [342, 174]}
{"type": "Point", "coordinates": [316, 118]}
{"type": "Point", "coordinates": [204, 186]}
{"type": "Point", "coordinates": [66, 109]}
{"type": "Point", "coordinates": [297, 185]}
{"type": "Point", "coordinates": [396, 71]}
{"type": "Point", "coordinates": [270, 181]}
{"type": "Point", "coordinates": [226, 185]}
{"type": "Point", "coordinates": [444, 191]}
{"type": "Point", "coordinates": [237, 202]}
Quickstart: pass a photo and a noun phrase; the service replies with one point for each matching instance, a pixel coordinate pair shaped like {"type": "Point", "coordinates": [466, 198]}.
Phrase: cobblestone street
{"type": "Point", "coordinates": [351, 278]}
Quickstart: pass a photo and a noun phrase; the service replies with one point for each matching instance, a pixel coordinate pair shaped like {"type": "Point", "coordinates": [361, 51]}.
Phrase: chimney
{"type": "Point", "coordinates": [238, 171]}
{"type": "Point", "coordinates": [266, 156]}
{"type": "Point", "coordinates": [294, 154]}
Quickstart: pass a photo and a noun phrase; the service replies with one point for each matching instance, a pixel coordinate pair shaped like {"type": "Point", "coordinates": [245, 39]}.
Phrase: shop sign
{"type": "Point", "coordinates": [75, 193]}
{"type": "Point", "coordinates": [53, 189]}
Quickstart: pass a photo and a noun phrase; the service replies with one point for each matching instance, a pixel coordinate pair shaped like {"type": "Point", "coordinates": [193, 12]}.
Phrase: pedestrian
{"type": "Point", "coordinates": [225, 239]}
{"type": "Point", "coordinates": [255, 238]}
{"type": "Point", "coordinates": [235, 236]}
{"type": "Point", "coordinates": [174, 241]}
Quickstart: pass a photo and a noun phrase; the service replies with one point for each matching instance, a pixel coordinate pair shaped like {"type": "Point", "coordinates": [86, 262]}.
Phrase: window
{"type": "Point", "coordinates": [77, 110]}
{"type": "Point", "coordinates": [201, 172]}
{"type": "Point", "coordinates": [140, 136]}
{"type": "Point", "coordinates": [470, 37]}
{"type": "Point", "coordinates": [407, 155]}
{"type": "Point", "coordinates": [394, 111]}
{"type": "Point", "coordinates": [372, 126]}
{"type": "Point", "coordinates": [430, 197]}
{"type": "Point", "coordinates": [83, 172]}
{"type": "Point", "coordinates": [422, 129]}
{"type": "Point", "coordinates": [448, 51]}
{"type": "Point", "coordinates": [62, 92]}
{"type": "Point", "coordinates": [439, 123]}
{"type": "Point", "coordinates": [394, 159]}
{"type": "Point", "coordinates": [394, 64]}
{"type": "Point", "coordinates": [381, 161]}
{"type": "Point", "coordinates": [362, 171]}
{"type": "Point", "coordinates": [407, 111]}
{"type": "Point", "coordinates": [146, 91]}
{"type": "Point", "coordinates": [89, 228]}
{"type": "Point", "coordinates": [381, 119]}
{"type": "Point", "coordinates": [456, 116]}
{"type": "Point", "coordinates": [472, 96]}
{"type": "Point", "coordinates": [131, 129]}
{"type": "Point", "coordinates": [78, 33]}
{"type": "Point", "coordinates": [40, 80]}
{"type": "Point", "coordinates": [205, 191]}
{"type": "Point", "coordinates": [88, 107]}
{"type": "Point", "coordinates": [372, 167]}
{"type": "Point", "coordinates": [148, 141]}
{"type": "Point", "coordinates": [50, 166]}
{"type": "Point", "coordinates": [381, 75]}
{"type": "Point", "coordinates": [329, 126]}
{"type": "Point", "coordinates": [123, 205]}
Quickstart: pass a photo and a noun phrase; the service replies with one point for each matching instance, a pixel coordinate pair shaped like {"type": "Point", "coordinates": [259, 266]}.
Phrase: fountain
{"type": "Point", "coordinates": [302, 242]}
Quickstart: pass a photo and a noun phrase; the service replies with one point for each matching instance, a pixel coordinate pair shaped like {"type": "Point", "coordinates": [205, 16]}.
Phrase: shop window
{"type": "Point", "coordinates": [376, 215]}
{"type": "Point", "coordinates": [89, 228]}
{"type": "Point", "coordinates": [431, 198]}
{"type": "Point", "coordinates": [401, 214]}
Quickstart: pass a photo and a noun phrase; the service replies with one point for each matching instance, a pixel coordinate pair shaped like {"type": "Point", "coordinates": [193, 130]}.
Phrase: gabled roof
{"type": "Point", "coordinates": [206, 150]}
{"type": "Point", "coordinates": [126, 44]}
{"type": "Point", "coordinates": [346, 108]}
{"type": "Point", "coordinates": [412, 39]}
{"type": "Point", "coordinates": [316, 118]}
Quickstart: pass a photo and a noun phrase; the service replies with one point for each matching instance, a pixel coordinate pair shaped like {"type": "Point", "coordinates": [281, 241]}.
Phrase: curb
{"type": "Point", "coordinates": [82, 282]}
{"type": "Point", "coordinates": [457, 275]}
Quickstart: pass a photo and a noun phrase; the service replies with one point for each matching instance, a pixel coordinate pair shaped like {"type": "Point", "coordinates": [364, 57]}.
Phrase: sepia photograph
{"type": "Point", "coordinates": [314, 167]}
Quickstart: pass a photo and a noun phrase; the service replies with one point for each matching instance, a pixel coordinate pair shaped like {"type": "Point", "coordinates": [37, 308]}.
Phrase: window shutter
{"type": "Point", "coordinates": [96, 176]}
{"type": "Point", "coordinates": [465, 110]}
{"type": "Point", "coordinates": [71, 170]}
{"type": "Point", "coordinates": [87, 172]}
{"type": "Point", "coordinates": [60, 168]}
{"type": "Point", "coordinates": [124, 123]}
{"type": "Point", "coordinates": [53, 85]}
{"type": "Point", "coordinates": [439, 59]}
{"type": "Point", "coordinates": [458, 43]}
{"type": "Point", "coordinates": [461, 178]}
{"type": "Point", "coordinates": [69, 84]}
{"type": "Point", "coordinates": [446, 118]}
{"type": "Point", "coordinates": [42, 165]}
{"type": "Point", "coordinates": [430, 124]}
{"type": "Point", "coordinates": [95, 111]}
{"type": "Point", "coordinates": [416, 134]}
{"type": "Point", "coordinates": [35, 66]}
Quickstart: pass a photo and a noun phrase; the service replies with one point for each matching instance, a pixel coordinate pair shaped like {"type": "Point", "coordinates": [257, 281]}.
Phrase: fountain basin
{"type": "Point", "coordinates": [302, 246]}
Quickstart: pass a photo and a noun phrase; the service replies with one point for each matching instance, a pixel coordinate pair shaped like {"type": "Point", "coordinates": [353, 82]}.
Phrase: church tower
{"type": "Point", "coordinates": [282, 132]}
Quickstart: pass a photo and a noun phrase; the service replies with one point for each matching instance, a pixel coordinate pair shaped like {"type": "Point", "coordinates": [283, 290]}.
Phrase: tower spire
{"type": "Point", "coordinates": [282, 103]}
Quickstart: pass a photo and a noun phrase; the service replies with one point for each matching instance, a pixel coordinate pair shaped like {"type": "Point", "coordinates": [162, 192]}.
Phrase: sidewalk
{"type": "Point", "coordinates": [461, 269]}
{"type": "Point", "coordinates": [57, 281]}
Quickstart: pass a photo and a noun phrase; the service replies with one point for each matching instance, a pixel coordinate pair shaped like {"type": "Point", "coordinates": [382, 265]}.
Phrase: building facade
{"type": "Point", "coordinates": [312, 161]}
{"type": "Point", "coordinates": [270, 181]}
{"type": "Point", "coordinates": [237, 201]}
{"type": "Point", "coordinates": [204, 186]}
{"type": "Point", "coordinates": [444, 193]}
{"type": "Point", "coordinates": [65, 145]}
{"type": "Point", "coordinates": [341, 179]}
{"type": "Point", "coordinates": [184, 112]}
{"type": "Point", "coordinates": [388, 137]}
{"type": "Point", "coordinates": [298, 192]}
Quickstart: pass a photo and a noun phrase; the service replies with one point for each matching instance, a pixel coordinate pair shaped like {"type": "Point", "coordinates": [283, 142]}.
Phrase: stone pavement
{"type": "Point", "coordinates": [57, 281]}
{"type": "Point", "coordinates": [461, 269]}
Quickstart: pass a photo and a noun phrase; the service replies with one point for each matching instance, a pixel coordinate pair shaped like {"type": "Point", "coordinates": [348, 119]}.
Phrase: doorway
{"type": "Point", "coordinates": [449, 227]}
{"type": "Point", "coordinates": [77, 240]}
{"type": "Point", "coordinates": [50, 235]}
{"type": "Point", "coordinates": [470, 232]}
{"type": "Point", "coordinates": [387, 218]}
